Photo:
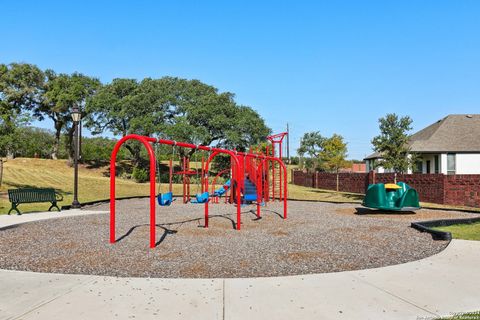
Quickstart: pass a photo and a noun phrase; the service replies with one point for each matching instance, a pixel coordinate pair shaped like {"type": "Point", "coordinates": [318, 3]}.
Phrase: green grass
{"type": "Point", "coordinates": [463, 316]}
{"type": "Point", "coordinates": [94, 184]}
{"type": "Point", "coordinates": [463, 231]}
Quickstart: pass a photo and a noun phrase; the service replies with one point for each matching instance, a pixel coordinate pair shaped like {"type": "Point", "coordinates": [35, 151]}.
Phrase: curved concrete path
{"type": "Point", "coordinates": [446, 283]}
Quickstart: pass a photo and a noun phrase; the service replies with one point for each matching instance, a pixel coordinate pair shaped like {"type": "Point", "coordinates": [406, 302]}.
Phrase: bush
{"type": "Point", "coordinates": [28, 142]}
{"type": "Point", "coordinates": [99, 149]}
{"type": "Point", "coordinates": [294, 160]}
{"type": "Point", "coordinates": [140, 175]}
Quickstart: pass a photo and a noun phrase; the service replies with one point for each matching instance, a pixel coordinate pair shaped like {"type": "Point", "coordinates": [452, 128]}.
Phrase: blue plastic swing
{"type": "Point", "coordinates": [201, 198]}
{"type": "Point", "coordinates": [165, 199]}
{"type": "Point", "coordinates": [221, 191]}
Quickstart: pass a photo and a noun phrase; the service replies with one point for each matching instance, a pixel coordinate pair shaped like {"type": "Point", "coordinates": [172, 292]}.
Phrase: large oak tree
{"type": "Point", "coordinates": [60, 93]}
{"type": "Point", "coordinates": [20, 85]}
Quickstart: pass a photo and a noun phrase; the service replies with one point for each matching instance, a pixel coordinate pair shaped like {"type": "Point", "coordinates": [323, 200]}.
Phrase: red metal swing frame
{"type": "Point", "coordinates": [236, 178]}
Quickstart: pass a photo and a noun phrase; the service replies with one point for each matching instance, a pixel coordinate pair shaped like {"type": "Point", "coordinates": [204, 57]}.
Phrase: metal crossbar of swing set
{"type": "Point", "coordinates": [145, 140]}
{"type": "Point", "coordinates": [264, 159]}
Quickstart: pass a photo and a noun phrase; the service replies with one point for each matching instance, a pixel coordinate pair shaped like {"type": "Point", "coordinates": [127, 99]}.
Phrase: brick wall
{"type": "Point", "coordinates": [303, 179]}
{"type": "Point", "coordinates": [459, 190]}
{"type": "Point", "coordinates": [462, 190]}
{"type": "Point", "coordinates": [430, 187]}
{"type": "Point", "coordinates": [347, 182]}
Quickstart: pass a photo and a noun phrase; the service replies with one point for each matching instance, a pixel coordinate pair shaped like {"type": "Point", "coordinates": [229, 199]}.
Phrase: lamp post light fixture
{"type": "Point", "coordinates": [76, 117]}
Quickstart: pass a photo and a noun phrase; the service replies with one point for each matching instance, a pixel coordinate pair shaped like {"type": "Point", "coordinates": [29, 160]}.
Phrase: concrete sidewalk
{"type": "Point", "coordinates": [13, 219]}
{"type": "Point", "coordinates": [439, 285]}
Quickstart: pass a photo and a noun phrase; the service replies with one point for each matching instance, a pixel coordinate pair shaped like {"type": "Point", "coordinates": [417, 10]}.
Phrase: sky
{"type": "Point", "coordinates": [328, 66]}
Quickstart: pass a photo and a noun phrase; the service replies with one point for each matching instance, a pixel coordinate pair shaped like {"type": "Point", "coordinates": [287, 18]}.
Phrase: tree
{"type": "Point", "coordinates": [177, 109]}
{"type": "Point", "coordinates": [311, 145]}
{"type": "Point", "coordinates": [19, 92]}
{"type": "Point", "coordinates": [125, 106]}
{"type": "Point", "coordinates": [393, 144]}
{"type": "Point", "coordinates": [61, 92]}
{"type": "Point", "coordinates": [33, 142]}
{"type": "Point", "coordinates": [333, 154]}
{"type": "Point", "coordinates": [202, 115]}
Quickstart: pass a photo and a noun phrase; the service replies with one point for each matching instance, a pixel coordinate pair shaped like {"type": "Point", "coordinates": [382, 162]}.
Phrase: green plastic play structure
{"type": "Point", "coordinates": [391, 197]}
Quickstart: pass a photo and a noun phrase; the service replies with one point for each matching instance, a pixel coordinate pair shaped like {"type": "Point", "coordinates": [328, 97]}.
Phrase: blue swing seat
{"type": "Point", "coordinates": [221, 191]}
{"type": "Point", "coordinates": [165, 199]}
{"type": "Point", "coordinates": [201, 198]}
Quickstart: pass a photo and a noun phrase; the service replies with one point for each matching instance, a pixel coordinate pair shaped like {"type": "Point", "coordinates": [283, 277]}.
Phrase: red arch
{"type": "Point", "coordinates": [145, 141]}
{"type": "Point", "coordinates": [113, 160]}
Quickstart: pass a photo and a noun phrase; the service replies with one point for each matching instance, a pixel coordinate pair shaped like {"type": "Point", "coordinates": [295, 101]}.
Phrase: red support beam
{"type": "Point", "coordinates": [250, 164]}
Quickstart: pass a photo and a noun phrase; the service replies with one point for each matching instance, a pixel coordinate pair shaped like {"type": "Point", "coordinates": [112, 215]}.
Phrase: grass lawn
{"type": "Point", "coordinates": [94, 184]}
{"type": "Point", "coordinates": [463, 231]}
{"type": "Point", "coordinates": [465, 316]}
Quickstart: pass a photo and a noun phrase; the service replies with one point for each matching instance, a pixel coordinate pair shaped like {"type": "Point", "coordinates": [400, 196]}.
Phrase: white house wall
{"type": "Point", "coordinates": [443, 163]}
{"type": "Point", "coordinates": [467, 163]}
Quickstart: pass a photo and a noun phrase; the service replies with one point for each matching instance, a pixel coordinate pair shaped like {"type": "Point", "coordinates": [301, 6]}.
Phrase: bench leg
{"type": "Point", "coordinates": [14, 207]}
{"type": "Point", "coordinates": [54, 205]}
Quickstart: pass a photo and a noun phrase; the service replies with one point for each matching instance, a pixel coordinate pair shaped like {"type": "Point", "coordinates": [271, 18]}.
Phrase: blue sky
{"type": "Point", "coordinates": [332, 66]}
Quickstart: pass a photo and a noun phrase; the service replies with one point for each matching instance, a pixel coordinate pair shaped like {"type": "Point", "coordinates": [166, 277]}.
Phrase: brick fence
{"type": "Point", "coordinates": [459, 190]}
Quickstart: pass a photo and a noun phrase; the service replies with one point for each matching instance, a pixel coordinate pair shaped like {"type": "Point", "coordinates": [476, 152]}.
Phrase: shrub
{"type": "Point", "coordinates": [140, 175]}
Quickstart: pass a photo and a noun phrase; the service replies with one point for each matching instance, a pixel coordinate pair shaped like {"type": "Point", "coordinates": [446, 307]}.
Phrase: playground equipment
{"type": "Point", "coordinates": [276, 171]}
{"type": "Point", "coordinates": [391, 197]}
{"type": "Point", "coordinates": [165, 199]}
{"type": "Point", "coordinates": [247, 169]}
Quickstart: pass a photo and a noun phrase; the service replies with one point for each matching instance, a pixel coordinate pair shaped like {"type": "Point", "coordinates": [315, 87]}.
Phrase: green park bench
{"type": "Point", "coordinates": [32, 195]}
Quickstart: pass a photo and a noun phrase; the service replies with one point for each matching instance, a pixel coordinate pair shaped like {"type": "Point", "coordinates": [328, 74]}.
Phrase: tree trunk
{"type": "Point", "coordinates": [9, 130]}
{"type": "Point", "coordinates": [1, 171]}
{"type": "Point", "coordinates": [337, 181]}
{"type": "Point", "coordinates": [70, 146]}
{"type": "Point", "coordinates": [135, 152]}
{"type": "Point", "coordinates": [58, 134]}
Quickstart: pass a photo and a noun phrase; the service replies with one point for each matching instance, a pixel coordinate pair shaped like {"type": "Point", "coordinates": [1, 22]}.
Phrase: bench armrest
{"type": "Point", "coordinates": [58, 196]}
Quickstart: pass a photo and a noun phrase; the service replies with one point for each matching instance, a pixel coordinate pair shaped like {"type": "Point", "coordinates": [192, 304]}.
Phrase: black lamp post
{"type": "Point", "coordinates": [76, 117]}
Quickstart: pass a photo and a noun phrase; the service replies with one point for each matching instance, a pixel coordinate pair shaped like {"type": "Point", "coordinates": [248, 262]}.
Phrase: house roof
{"type": "Point", "coordinates": [454, 133]}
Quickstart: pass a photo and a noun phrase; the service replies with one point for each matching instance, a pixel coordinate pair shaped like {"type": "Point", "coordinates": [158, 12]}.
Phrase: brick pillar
{"type": "Point", "coordinates": [370, 179]}
{"type": "Point", "coordinates": [444, 182]}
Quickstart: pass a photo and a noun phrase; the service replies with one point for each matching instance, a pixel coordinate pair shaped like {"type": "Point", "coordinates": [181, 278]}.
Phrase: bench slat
{"type": "Point", "coordinates": [31, 195]}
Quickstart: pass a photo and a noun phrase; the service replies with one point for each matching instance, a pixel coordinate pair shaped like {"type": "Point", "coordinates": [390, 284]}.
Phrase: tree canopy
{"type": "Point", "coordinates": [19, 91]}
{"type": "Point", "coordinates": [60, 93]}
{"type": "Point", "coordinates": [177, 109]}
{"type": "Point", "coordinates": [311, 145]}
{"type": "Point", "coordinates": [169, 107]}
{"type": "Point", "coordinates": [392, 143]}
{"type": "Point", "coordinates": [334, 153]}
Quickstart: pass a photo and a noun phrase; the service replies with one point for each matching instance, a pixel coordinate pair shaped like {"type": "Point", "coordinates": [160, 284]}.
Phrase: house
{"type": "Point", "coordinates": [449, 146]}
{"type": "Point", "coordinates": [355, 168]}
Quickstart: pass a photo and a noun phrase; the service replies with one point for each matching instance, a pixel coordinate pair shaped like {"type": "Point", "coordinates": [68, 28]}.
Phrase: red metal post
{"type": "Point", "coordinates": [273, 173]}
{"type": "Point", "coordinates": [113, 158]}
{"type": "Point", "coordinates": [206, 214]}
{"type": "Point", "coordinates": [183, 179]}
{"type": "Point", "coordinates": [237, 179]}
{"type": "Point", "coordinates": [202, 178]}
{"type": "Point", "coordinates": [259, 190]}
{"type": "Point", "coordinates": [170, 173]}
{"type": "Point", "coordinates": [280, 173]}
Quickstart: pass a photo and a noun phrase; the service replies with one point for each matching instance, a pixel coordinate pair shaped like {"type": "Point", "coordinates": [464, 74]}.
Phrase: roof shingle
{"type": "Point", "coordinates": [454, 133]}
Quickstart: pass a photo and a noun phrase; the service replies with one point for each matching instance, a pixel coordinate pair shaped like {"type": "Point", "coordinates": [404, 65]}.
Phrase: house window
{"type": "Point", "coordinates": [428, 166]}
{"type": "Point", "coordinates": [418, 167]}
{"type": "Point", "coordinates": [437, 164]}
{"type": "Point", "coordinates": [451, 163]}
